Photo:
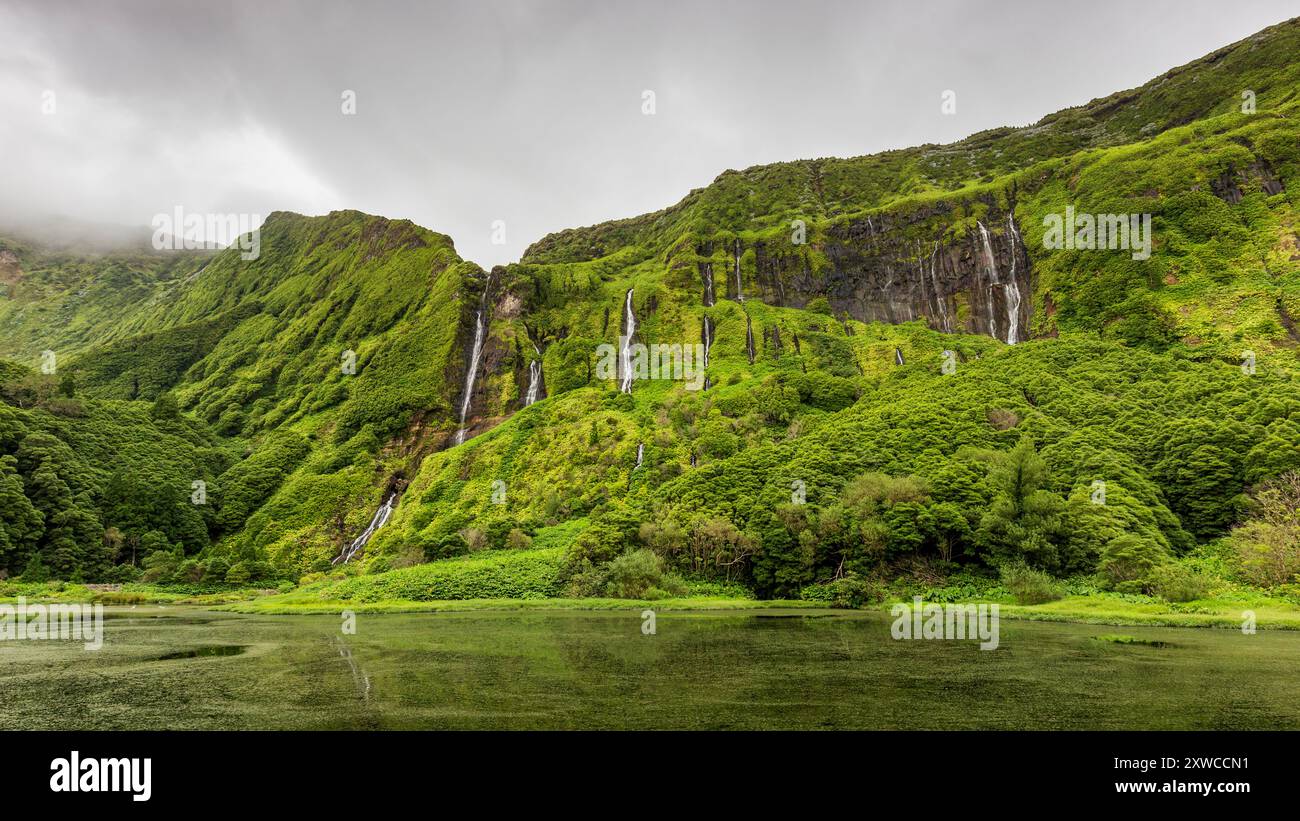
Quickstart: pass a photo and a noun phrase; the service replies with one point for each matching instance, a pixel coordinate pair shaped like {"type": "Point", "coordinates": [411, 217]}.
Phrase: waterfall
{"type": "Point", "coordinates": [898, 356]}
{"type": "Point", "coordinates": [920, 270]}
{"type": "Point", "coordinates": [888, 297]}
{"type": "Point", "coordinates": [991, 263]}
{"type": "Point", "coordinates": [625, 353]}
{"type": "Point", "coordinates": [471, 374]}
{"type": "Point", "coordinates": [534, 378]}
{"type": "Point", "coordinates": [939, 297]}
{"type": "Point", "coordinates": [740, 291]}
{"type": "Point", "coordinates": [376, 522]}
{"type": "Point", "coordinates": [749, 337]}
{"type": "Point", "coordinates": [640, 455]}
{"type": "Point", "coordinates": [706, 270]}
{"type": "Point", "coordinates": [989, 260]}
{"type": "Point", "coordinates": [706, 336]}
{"type": "Point", "coordinates": [1012, 287]}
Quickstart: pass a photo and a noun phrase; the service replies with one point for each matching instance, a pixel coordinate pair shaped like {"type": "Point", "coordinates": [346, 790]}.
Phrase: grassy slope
{"type": "Point", "coordinates": [68, 302]}
{"type": "Point", "coordinates": [254, 349]}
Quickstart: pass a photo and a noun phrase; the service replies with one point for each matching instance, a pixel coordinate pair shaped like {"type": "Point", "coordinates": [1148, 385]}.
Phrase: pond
{"type": "Point", "coordinates": [172, 668]}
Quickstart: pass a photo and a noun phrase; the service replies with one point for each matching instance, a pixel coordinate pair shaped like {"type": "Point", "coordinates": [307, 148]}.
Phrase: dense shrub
{"type": "Point", "coordinates": [849, 591]}
{"type": "Point", "coordinates": [1030, 586]}
{"type": "Point", "coordinates": [640, 574]}
{"type": "Point", "coordinates": [1176, 583]}
{"type": "Point", "coordinates": [1268, 544]}
{"type": "Point", "coordinates": [1128, 561]}
{"type": "Point", "coordinates": [506, 574]}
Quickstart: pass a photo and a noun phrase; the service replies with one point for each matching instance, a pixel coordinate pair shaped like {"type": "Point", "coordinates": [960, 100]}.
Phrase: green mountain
{"type": "Point", "coordinates": [902, 371]}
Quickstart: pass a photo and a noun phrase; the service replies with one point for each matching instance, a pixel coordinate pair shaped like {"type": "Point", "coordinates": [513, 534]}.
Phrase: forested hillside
{"type": "Point", "coordinates": [903, 376]}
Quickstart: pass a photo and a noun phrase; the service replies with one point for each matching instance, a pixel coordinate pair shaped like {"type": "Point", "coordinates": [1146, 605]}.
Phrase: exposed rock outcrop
{"type": "Point", "coordinates": [901, 266]}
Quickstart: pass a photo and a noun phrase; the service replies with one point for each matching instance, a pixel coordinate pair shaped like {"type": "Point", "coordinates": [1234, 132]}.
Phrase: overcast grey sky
{"type": "Point", "coordinates": [529, 112]}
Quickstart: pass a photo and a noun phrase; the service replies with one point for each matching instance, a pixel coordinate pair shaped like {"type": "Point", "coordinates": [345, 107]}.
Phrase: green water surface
{"type": "Point", "coordinates": [189, 669]}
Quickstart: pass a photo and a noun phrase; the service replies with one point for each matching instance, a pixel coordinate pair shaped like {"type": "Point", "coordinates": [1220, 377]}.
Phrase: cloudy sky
{"type": "Point", "coordinates": [528, 112]}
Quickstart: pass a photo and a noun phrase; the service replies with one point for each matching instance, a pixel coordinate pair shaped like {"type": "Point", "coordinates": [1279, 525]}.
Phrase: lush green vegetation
{"type": "Point", "coordinates": [205, 425]}
{"type": "Point", "coordinates": [507, 574]}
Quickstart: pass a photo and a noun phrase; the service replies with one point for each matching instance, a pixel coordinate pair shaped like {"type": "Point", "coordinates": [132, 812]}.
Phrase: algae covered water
{"type": "Point", "coordinates": [171, 668]}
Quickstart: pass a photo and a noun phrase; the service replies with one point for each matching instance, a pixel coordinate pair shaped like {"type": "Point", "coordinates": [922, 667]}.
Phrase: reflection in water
{"type": "Point", "coordinates": [359, 677]}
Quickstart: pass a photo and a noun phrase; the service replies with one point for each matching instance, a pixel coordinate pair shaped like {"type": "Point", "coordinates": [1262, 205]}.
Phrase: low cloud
{"type": "Point", "coordinates": [526, 112]}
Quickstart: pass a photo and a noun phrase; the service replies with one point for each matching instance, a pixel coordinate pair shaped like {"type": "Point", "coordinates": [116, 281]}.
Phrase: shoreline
{"type": "Point", "coordinates": [1074, 609]}
{"type": "Point", "coordinates": [1227, 612]}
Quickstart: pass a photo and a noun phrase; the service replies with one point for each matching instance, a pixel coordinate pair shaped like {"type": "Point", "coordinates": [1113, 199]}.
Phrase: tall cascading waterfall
{"type": "Point", "coordinates": [471, 374]}
{"type": "Point", "coordinates": [990, 262]}
{"type": "Point", "coordinates": [749, 337]}
{"type": "Point", "coordinates": [376, 522]}
{"type": "Point", "coordinates": [534, 378]}
{"type": "Point", "coordinates": [625, 351]}
{"type": "Point", "coordinates": [938, 295]}
{"type": "Point", "coordinates": [706, 337]}
{"type": "Point", "coordinates": [707, 272]}
{"type": "Point", "coordinates": [740, 290]}
{"type": "Point", "coordinates": [898, 357]}
{"type": "Point", "coordinates": [1014, 297]}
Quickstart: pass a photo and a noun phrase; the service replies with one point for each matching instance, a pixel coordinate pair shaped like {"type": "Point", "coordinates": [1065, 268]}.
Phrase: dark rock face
{"type": "Point", "coordinates": [1233, 185]}
{"type": "Point", "coordinates": [899, 267]}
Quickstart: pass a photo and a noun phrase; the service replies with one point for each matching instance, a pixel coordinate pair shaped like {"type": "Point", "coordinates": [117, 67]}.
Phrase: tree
{"type": "Point", "coordinates": [665, 537]}
{"type": "Point", "coordinates": [238, 573]}
{"type": "Point", "coordinates": [21, 524]}
{"type": "Point", "coordinates": [1268, 544]}
{"type": "Point", "coordinates": [947, 526]}
{"type": "Point", "coordinates": [1278, 453]}
{"type": "Point", "coordinates": [113, 541]}
{"type": "Point", "coordinates": [165, 407]}
{"type": "Point", "coordinates": [36, 571]}
{"type": "Point", "coordinates": [716, 548]}
{"type": "Point", "coordinates": [51, 495]}
{"type": "Point", "coordinates": [1204, 489]}
{"type": "Point", "coordinates": [1025, 523]}
{"type": "Point", "coordinates": [475, 539]}
{"type": "Point", "coordinates": [1128, 561]}
{"type": "Point", "coordinates": [782, 564]}
{"type": "Point", "coordinates": [161, 563]}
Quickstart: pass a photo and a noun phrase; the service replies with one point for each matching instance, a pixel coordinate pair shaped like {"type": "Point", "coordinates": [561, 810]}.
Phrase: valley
{"type": "Point", "coordinates": [918, 376]}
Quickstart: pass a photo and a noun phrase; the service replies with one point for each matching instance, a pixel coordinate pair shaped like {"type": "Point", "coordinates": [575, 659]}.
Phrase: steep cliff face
{"type": "Point", "coordinates": [510, 374]}
{"type": "Point", "coordinates": [894, 267]}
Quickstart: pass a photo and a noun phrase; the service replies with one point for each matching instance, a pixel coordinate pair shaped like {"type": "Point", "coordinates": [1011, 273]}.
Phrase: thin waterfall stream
{"type": "Point", "coordinates": [625, 349]}
{"type": "Point", "coordinates": [376, 523]}
{"type": "Point", "coordinates": [471, 374]}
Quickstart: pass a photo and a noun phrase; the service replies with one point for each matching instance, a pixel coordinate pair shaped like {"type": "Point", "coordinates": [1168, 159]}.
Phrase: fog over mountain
{"type": "Point", "coordinates": [468, 113]}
